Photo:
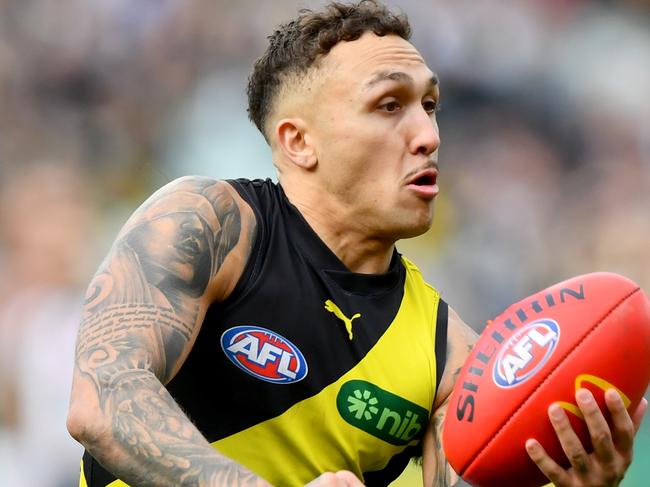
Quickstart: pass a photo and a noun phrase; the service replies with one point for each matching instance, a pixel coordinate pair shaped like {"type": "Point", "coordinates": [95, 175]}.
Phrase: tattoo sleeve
{"type": "Point", "coordinates": [143, 310]}
{"type": "Point", "coordinates": [461, 339]}
{"type": "Point", "coordinates": [444, 475]}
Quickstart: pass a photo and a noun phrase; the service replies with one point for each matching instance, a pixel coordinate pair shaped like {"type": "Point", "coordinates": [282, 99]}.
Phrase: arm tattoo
{"type": "Point", "coordinates": [228, 235]}
{"type": "Point", "coordinates": [142, 311]}
{"type": "Point", "coordinates": [444, 474]}
{"type": "Point", "coordinates": [152, 429]}
{"type": "Point", "coordinates": [118, 339]}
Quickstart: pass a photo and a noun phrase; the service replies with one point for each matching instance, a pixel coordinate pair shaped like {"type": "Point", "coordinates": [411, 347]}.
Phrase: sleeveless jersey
{"type": "Point", "coordinates": [308, 367]}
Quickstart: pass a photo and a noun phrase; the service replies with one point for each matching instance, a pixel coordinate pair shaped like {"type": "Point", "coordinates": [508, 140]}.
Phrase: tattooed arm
{"type": "Point", "coordinates": [436, 470]}
{"type": "Point", "coordinates": [183, 249]}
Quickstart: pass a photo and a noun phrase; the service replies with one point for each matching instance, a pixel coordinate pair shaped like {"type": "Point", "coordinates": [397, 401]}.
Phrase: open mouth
{"type": "Point", "coordinates": [424, 183]}
{"type": "Point", "coordinates": [425, 180]}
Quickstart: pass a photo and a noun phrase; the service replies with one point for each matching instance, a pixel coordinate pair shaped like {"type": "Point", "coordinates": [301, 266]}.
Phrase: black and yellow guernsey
{"type": "Point", "coordinates": [307, 367]}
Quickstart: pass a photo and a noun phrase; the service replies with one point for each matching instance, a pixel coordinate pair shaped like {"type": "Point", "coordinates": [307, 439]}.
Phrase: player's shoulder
{"type": "Point", "coordinates": [191, 184]}
{"type": "Point", "coordinates": [189, 197]}
{"type": "Point", "coordinates": [198, 194]}
{"type": "Point", "coordinates": [243, 191]}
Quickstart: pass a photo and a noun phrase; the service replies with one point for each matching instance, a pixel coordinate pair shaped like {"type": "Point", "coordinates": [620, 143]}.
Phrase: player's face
{"type": "Point", "coordinates": [376, 133]}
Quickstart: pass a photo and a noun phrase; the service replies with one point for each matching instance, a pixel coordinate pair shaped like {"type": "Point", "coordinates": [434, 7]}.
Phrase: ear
{"type": "Point", "coordinates": [295, 143]}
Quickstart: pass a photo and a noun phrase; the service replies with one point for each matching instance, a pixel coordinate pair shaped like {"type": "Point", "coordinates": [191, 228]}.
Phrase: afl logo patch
{"type": "Point", "coordinates": [264, 354]}
{"type": "Point", "coordinates": [525, 352]}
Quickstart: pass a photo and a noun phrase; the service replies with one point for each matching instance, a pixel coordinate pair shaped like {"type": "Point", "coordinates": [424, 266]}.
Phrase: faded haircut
{"type": "Point", "coordinates": [296, 46]}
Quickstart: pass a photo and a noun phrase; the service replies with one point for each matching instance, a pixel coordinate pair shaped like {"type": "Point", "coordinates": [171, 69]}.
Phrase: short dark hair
{"type": "Point", "coordinates": [295, 46]}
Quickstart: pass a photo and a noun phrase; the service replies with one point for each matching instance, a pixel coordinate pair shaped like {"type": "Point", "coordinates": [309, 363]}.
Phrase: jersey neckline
{"type": "Point", "coordinates": [328, 264]}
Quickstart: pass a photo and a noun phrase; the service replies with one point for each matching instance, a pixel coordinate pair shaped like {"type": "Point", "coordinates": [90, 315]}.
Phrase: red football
{"type": "Point", "coordinates": [590, 331]}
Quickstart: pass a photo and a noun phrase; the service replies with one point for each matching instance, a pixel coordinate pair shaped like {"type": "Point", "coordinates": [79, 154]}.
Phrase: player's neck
{"type": "Point", "coordinates": [359, 252]}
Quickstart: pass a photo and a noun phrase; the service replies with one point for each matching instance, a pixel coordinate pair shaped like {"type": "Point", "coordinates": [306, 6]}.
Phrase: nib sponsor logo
{"type": "Point", "coordinates": [362, 404]}
{"type": "Point", "coordinates": [380, 413]}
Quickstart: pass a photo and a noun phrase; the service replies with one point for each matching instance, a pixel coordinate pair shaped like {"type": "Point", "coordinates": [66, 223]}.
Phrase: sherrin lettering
{"type": "Point", "coordinates": [264, 354]}
{"type": "Point", "coordinates": [485, 350]}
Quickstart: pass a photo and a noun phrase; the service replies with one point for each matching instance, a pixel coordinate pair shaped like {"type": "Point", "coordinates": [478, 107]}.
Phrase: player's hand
{"type": "Point", "coordinates": [342, 478]}
{"type": "Point", "coordinates": [612, 454]}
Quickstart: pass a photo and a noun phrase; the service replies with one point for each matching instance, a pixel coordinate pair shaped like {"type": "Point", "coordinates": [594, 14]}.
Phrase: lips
{"type": "Point", "coordinates": [423, 183]}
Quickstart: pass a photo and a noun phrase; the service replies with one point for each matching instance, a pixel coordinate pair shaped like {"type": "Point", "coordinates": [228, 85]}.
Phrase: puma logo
{"type": "Point", "coordinates": [333, 308]}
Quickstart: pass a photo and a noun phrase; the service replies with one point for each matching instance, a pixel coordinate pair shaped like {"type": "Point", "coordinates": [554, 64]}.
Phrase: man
{"type": "Point", "coordinates": [241, 332]}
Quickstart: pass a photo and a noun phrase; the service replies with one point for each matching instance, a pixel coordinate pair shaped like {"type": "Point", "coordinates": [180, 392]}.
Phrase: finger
{"type": "Point", "coordinates": [570, 442]}
{"type": "Point", "coordinates": [342, 478]}
{"type": "Point", "coordinates": [328, 479]}
{"type": "Point", "coordinates": [623, 426]}
{"type": "Point", "coordinates": [546, 464]}
{"type": "Point", "coordinates": [637, 416]}
{"type": "Point", "coordinates": [348, 479]}
{"type": "Point", "coordinates": [601, 436]}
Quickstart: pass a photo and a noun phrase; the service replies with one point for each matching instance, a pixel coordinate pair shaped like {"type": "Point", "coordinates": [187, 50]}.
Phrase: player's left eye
{"type": "Point", "coordinates": [430, 106]}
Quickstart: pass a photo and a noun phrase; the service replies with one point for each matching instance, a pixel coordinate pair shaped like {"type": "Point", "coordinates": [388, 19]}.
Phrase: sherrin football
{"type": "Point", "coordinates": [591, 331]}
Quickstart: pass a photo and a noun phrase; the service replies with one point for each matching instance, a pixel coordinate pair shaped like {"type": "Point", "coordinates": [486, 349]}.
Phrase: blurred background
{"type": "Point", "coordinates": [545, 161]}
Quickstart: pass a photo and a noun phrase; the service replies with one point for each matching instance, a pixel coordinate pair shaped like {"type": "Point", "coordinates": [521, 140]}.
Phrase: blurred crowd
{"type": "Point", "coordinates": [545, 160]}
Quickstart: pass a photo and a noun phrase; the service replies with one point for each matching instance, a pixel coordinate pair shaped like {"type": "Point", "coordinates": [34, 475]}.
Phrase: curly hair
{"type": "Point", "coordinates": [297, 45]}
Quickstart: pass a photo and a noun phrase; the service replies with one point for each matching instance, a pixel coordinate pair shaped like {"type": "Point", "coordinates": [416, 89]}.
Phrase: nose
{"type": "Point", "coordinates": [425, 137]}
